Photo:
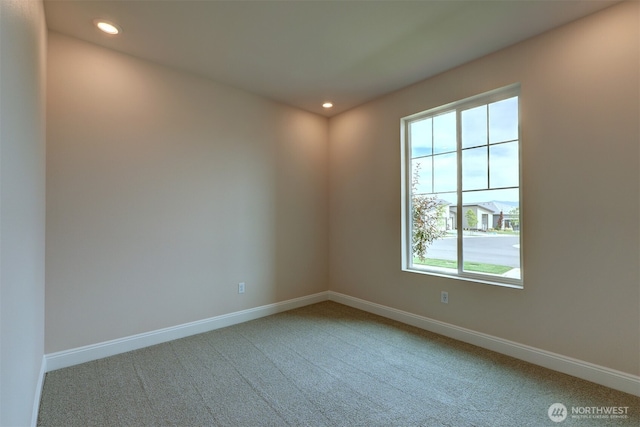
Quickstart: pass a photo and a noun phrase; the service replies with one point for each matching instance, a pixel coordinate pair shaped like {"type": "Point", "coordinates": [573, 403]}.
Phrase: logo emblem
{"type": "Point", "coordinates": [557, 412]}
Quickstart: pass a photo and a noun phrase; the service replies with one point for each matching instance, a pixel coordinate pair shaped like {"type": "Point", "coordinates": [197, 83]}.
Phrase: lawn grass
{"type": "Point", "coordinates": [468, 266]}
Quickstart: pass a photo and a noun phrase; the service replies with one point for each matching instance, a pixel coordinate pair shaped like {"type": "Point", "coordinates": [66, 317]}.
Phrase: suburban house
{"type": "Point", "coordinates": [137, 195]}
{"type": "Point", "coordinates": [488, 215]}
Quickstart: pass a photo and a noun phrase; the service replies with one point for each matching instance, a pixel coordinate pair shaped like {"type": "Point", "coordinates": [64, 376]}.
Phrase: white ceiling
{"type": "Point", "coordinates": [303, 52]}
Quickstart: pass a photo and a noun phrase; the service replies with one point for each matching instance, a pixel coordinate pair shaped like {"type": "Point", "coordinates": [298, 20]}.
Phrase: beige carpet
{"type": "Point", "coordinates": [321, 365]}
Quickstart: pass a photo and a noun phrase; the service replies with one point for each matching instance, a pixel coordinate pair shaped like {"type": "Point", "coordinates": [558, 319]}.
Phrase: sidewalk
{"type": "Point", "coordinates": [514, 273]}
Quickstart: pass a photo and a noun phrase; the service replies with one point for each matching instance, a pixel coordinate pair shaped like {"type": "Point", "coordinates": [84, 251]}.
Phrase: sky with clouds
{"type": "Point", "coordinates": [490, 159]}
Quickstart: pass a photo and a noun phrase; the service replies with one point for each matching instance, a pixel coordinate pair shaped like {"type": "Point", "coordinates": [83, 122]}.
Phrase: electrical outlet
{"type": "Point", "coordinates": [444, 297]}
{"type": "Point", "coordinates": [241, 288]}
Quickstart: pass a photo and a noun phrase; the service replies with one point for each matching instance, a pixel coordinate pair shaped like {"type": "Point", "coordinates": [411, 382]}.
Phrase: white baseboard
{"type": "Point", "coordinates": [38, 395]}
{"type": "Point", "coordinates": [598, 374]}
{"type": "Point", "coordinates": [587, 371]}
{"type": "Point", "coordinates": [75, 356]}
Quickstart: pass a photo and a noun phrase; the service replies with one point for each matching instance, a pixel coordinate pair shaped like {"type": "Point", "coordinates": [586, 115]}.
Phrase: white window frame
{"type": "Point", "coordinates": [406, 170]}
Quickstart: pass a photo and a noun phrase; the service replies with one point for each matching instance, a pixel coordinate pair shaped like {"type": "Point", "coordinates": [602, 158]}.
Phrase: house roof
{"type": "Point", "coordinates": [497, 207]}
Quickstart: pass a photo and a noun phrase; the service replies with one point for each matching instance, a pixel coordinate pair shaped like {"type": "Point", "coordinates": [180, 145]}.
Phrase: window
{"type": "Point", "coordinates": [461, 189]}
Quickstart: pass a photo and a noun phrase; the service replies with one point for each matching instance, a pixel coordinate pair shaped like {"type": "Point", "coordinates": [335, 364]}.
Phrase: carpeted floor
{"type": "Point", "coordinates": [321, 365]}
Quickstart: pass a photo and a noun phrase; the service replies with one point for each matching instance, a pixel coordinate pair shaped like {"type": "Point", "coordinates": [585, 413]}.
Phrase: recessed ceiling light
{"type": "Point", "coordinates": [107, 27]}
{"type": "Point", "coordinates": [327, 105]}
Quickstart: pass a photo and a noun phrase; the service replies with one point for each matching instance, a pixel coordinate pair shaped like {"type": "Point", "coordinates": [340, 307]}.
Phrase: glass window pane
{"type": "Point", "coordinates": [444, 133]}
{"type": "Point", "coordinates": [420, 135]}
{"type": "Point", "coordinates": [421, 174]}
{"type": "Point", "coordinates": [445, 172]}
{"type": "Point", "coordinates": [474, 169]}
{"type": "Point", "coordinates": [491, 232]}
{"type": "Point", "coordinates": [463, 207]}
{"type": "Point", "coordinates": [503, 165]}
{"type": "Point", "coordinates": [503, 120]}
{"type": "Point", "coordinates": [474, 127]}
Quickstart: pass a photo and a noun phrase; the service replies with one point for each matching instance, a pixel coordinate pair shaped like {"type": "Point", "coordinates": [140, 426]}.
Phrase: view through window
{"type": "Point", "coordinates": [462, 189]}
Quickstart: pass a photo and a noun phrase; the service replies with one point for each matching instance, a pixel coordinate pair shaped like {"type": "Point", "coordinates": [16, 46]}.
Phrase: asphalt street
{"type": "Point", "coordinates": [487, 248]}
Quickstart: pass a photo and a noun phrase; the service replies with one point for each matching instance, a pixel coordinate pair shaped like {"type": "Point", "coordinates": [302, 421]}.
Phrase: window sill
{"type": "Point", "coordinates": [505, 282]}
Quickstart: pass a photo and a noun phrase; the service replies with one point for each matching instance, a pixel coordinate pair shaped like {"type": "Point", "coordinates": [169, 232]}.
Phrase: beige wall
{"type": "Point", "coordinates": [165, 190]}
{"type": "Point", "coordinates": [580, 137]}
{"type": "Point", "coordinates": [22, 206]}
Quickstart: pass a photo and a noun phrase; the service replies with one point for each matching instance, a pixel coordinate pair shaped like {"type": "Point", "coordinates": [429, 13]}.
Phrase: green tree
{"type": "Point", "coordinates": [472, 219]}
{"type": "Point", "coordinates": [428, 218]}
{"type": "Point", "coordinates": [515, 220]}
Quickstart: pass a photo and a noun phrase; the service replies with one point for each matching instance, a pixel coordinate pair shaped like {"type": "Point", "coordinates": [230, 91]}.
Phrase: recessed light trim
{"type": "Point", "coordinates": [327, 105]}
{"type": "Point", "coordinates": [107, 27]}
